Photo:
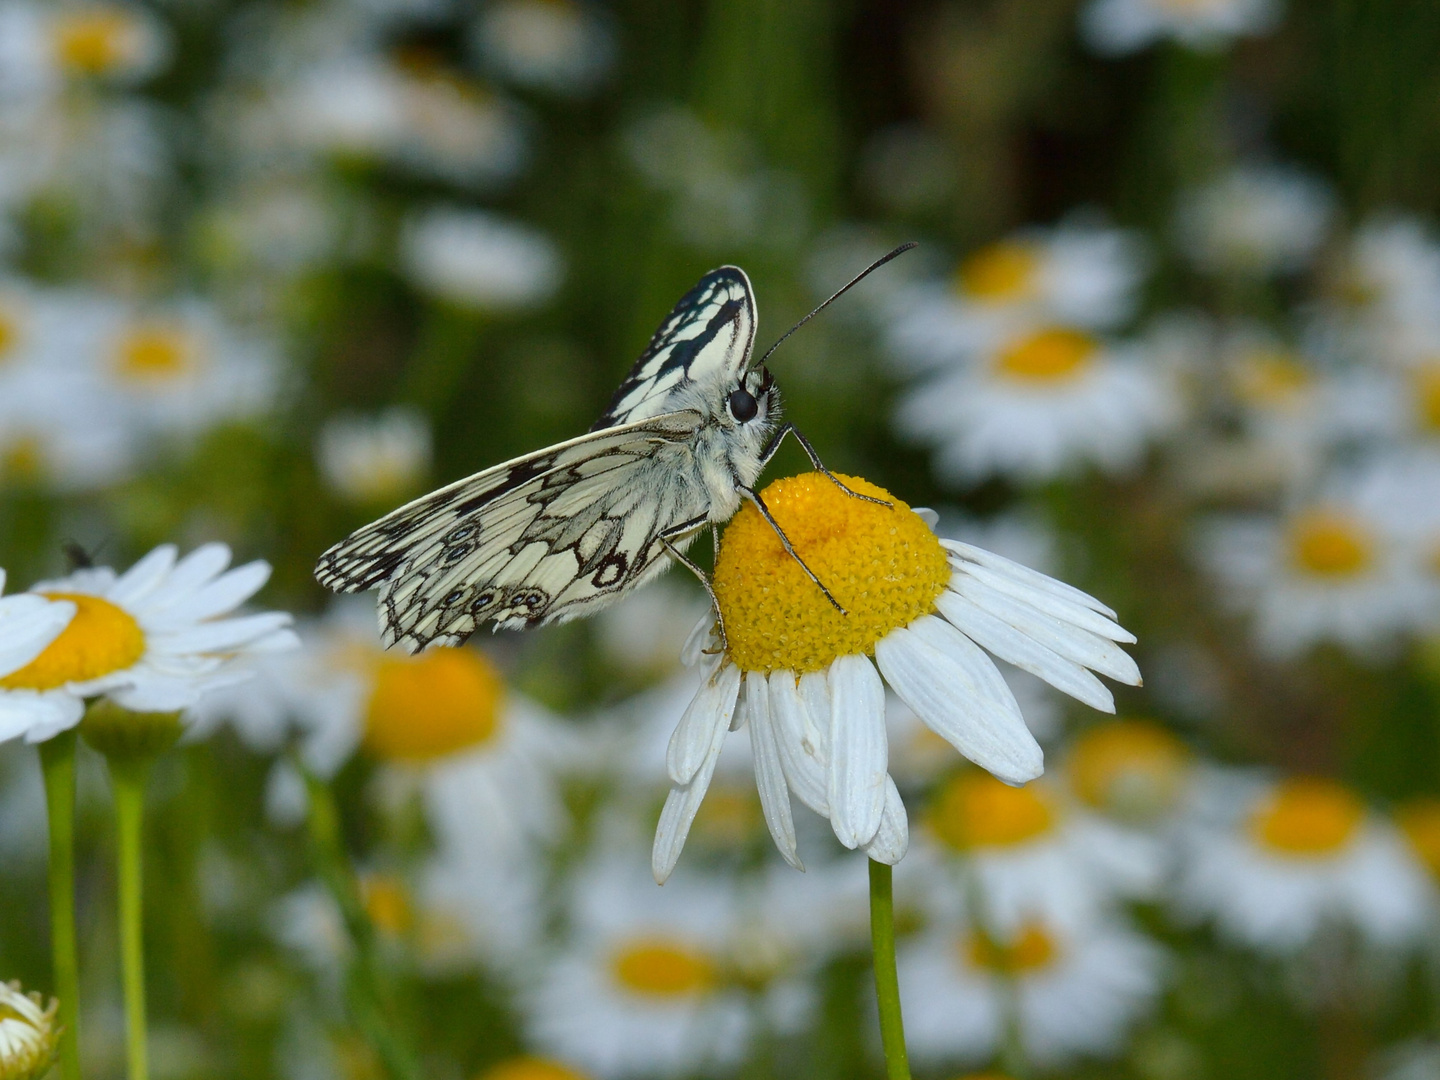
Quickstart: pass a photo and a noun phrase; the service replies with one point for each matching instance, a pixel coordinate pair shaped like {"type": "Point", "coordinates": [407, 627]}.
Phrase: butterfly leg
{"type": "Point", "coordinates": [754, 497]}
{"type": "Point", "coordinates": [680, 557]}
{"type": "Point", "coordinates": [815, 462]}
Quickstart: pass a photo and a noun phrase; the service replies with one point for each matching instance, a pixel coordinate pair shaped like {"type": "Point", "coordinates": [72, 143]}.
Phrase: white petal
{"type": "Point", "coordinates": [769, 776]}
{"type": "Point", "coordinates": [859, 755]}
{"type": "Point", "coordinates": [713, 703]}
{"type": "Point", "coordinates": [815, 693]}
{"type": "Point", "coordinates": [893, 839]}
{"type": "Point", "coordinates": [38, 716]}
{"type": "Point", "coordinates": [1081, 646]}
{"type": "Point", "coordinates": [222, 635]}
{"type": "Point", "coordinates": [222, 595]}
{"type": "Point", "coordinates": [1066, 610]}
{"type": "Point", "coordinates": [695, 645]}
{"type": "Point", "coordinates": [681, 806]}
{"type": "Point", "coordinates": [144, 576]}
{"type": "Point", "coordinates": [1002, 639]}
{"type": "Point", "coordinates": [28, 624]}
{"type": "Point", "coordinates": [939, 686]}
{"type": "Point", "coordinates": [805, 768]}
{"type": "Point", "coordinates": [1024, 574]}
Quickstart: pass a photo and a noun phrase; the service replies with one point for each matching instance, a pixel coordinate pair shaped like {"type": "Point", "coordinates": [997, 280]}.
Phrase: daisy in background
{"type": "Point", "coordinates": [800, 676]}
{"type": "Point", "coordinates": [45, 48]}
{"type": "Point", "coordinates": [557, 45]}
{"type": "Point", "coordinates": [1274, 862]}
{"type": "Point", "coordinates": [476, 260]}
{"type": "Point", "coordinates": [379, 459]}
{"type": "Point", "coordinates": [29, 1034]}
{"type": "Point", "coordinates": [28, 625]}
{"type": "Point", "coordinates": [1119, 27]}
{"type": "Point", "coordinates": [153, 639]}
{"type": "Point", "coordinates": [1255, 220]}
{"type": "Point", "coordinates": [1077, 273]}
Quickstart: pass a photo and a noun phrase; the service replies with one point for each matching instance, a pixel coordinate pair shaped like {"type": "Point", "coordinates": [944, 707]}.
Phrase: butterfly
{"type": "Point", "coordinates": [566, 531]}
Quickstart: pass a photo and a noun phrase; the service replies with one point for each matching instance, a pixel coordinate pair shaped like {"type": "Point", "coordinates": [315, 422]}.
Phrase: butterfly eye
{"type": "Point", "coordinates": [742, 405]}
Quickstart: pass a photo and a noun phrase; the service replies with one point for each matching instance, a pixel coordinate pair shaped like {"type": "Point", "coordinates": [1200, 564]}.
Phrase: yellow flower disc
{"type": "Point", "coordinates": [9, 333]}
{"type": "Point", "coordinates": [428, 706]}
{"type": "Point", "coordinates": [657, 967]}
{"type": "Point", "coordinates": [100, 639]}
{"type": "Point", "coordinates": [999, 272]}
{"type": "Point", "coordinates": [1427, 395]}
{"type": "Point", "coordinates": [387, 902]}
{"type": "Point", "coordinates": [1132, 768]}
{"type": "Point", "coordinates": [1308, 816]}
{"type": "Point", "coordinates": [883, 564]}
{"type": "Point", "coordinates": [974, 810]}
{"type": "Point", "coordinates": [1330, 545]}
{"type": "Point", "coordinates": [155, 353]}
{"type": "Point", "coordinates": [94, 42]}
{"type": "Point", "coordinates": [530, 1068]}
{"type": "Point", "coordinates": [1420, 821]}
{"type": "Point", "coordinates": [1055, 354]}
{"type": "Point", "coordinates": [1271, 377]}
{"type": "Point", "coordinates": [1031, 950]}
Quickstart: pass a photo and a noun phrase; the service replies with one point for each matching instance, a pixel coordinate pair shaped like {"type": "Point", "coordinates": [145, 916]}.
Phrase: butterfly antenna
{"type": "Point", "coordinates": [839, 293]}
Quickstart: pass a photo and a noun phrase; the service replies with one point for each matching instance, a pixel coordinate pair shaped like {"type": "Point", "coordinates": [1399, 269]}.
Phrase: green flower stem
{"type": "Point", "coordinates": [128, 776]}
{"type": "Point", "coordinates": [887, 981]}
{"type": "Point", "coordinates": [57, 762]}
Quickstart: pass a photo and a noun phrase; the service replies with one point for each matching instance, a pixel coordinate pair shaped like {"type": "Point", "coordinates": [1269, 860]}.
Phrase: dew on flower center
{"type": "Point", "coordinates": [428, 706]}
{"type": "Point", "coordinates": [100, 639]}
{"type": "Point", "coordinates": [1031, 949]}
{"type": "Point", "coordinates": [531, 1068]}
{"type": "Point", "coordinates": [93, 42]}
{"type": "Point", "coordinates": [1055, 354]}
{"type": "Point", "coordinates": [974, 810]}
{"type": "Point", "coordinates": [657, 967]}
{"type": "Point", "coordinates": [155, 353]}
{"type": "Point", "coordinates": [1330, 545]}
{"type": "Point", "coordinates": [1419, 819]}
{"type": "Point", "coordinates": [1271, 377]}
{"type": "Point", "coordinates": [881, 562]}
{"type": "Point", "coordinates": [1427, 396]}
{"type": "Point", "coordinates": [1133, 769]}
{"type": "Point", "coordinates": [1307, 816]}
{"type": "Point", "coordinates": [1002, 271]}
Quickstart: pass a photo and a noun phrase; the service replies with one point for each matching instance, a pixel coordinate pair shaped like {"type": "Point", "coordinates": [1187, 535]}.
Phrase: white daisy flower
{"type": "Point", "coordinates": [28, 625]}
{"type": "Point", "coordinates": [800, 674]}
{"type": "Point", "coordinates": [1255, 220]}
{"type": "Point", "coordinates": [476, 260]}
{"type": "Point", "coordinates": [1073, 993]}
{"type": "Point", "coordinates": [1042, 403]}
{"type": "Point", "coordinates": [1118, 27]}
{"type": "Point", "coordinates": [1393, 272]}
{"type": "Point", "coordinates": [532, 1068]}
{"type": "Point", "coordinates": [1078, 274]}
{"type": "Point", "coordinates": [643, 985]}
{"type": "Point", "coordinates": [379, 459]}
{"type": "Point", "coordinates": [1132, 771]}
{"type": "Point", "coordinates": [558, 45]}
{"type": "Point", "coordinates": [29, 1035]}
{"type": "Point", "coordinates": [152, 639]}
{"type": "Point", "coordinates": [1272, 863]}
{"type": "Point", "coordinates": [45, 46]}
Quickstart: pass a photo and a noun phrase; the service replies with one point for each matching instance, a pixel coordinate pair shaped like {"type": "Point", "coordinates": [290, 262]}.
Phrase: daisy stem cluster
{"type": "Point", "coordinates": [366, 998]}
{"type": "Point", "coordinates": [57, 759]}
{"type": "Point", "coordinates": [128, 778]}
{"type": "Point", "coordinates": [887, 980]}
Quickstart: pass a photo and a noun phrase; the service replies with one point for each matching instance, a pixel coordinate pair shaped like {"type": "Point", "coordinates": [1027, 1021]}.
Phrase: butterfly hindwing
{"type": "Point", "coordinates": [543, 538]}
{"type": "Point", "coordinates": [706, 337]}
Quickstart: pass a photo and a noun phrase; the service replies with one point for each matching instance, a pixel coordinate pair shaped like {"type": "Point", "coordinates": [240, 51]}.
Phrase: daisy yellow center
{"type": "Point", "coordinates": [154, 354]}
{"type": "Point", "coordinates": [1056, 354]}
{"type": "Point", "coordinates": [1326, 544]}
{"type": "Point", "coordinates": [974, 810]}
{"type": "Point", "coordinates": [1031, 949]}
{"type": "Point", "coordinates": [387, 902]}
{"type": "Point", "coordinates": [1308, 817]}
{"type": "Point", "coordinates": [432, 705]}
{"type": "Point", "coordinates": [530, 1068]}
{"type": "Point", "coordinates": [1003, 271]}
{"type": "Point", "coordinates": [9, 333]}
{"type": "Point", "coordinates": [881, 563]}
{"type": "Point", "coordinates": [1419, 819]}
{"type": "Point", "coordinates": [22, 458]}
{"type": "Point", "coordinates": [1427, 395]}
{"type": "Point", "coordinates": [1271, 377]}
{"type": "Point", "coordinates": [1131, 768]}
{"type": "Point", "coordinates": [100, 639]}
{"type": "Point", "coordinates": [93, 42]}
{"type": "Point", "coordinates": [657, 967]}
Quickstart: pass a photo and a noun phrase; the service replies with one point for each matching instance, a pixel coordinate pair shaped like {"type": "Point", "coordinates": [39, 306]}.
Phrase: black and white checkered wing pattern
{"type": "Point", "coordinates": [544, 538]}
{"type": "Point", "coordinates": [706, 338]}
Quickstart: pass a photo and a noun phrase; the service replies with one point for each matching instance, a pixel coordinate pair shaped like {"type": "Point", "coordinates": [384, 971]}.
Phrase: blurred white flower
{"type": "Point", "coordinates": [1416, 1059]}
{"type": "Point", "coordinates": [1255, 220]}
{"type": "Point", "coordinates": [44, 46]}
{"type": "Point", "coordinates": [1045, 402]}
{"type": "Point", "coordinates": [1273, 863]}
{"type": "Point", "coordinates": [1117, 27]}
{"type": "Point", "coordinates": [1132, 771]}
{"type": "Point", "coordinates": [642, 985]}
{"type": "Point", "coordinates": [559, 45]}
{"type": "Point", "coordinates": [1394, 271]}
{"type": "Point", "coordinates": [477, 260]}
{"type": "Point", "coordinates": [29, 1035]}
{"type": "Point", "coordinates": [379, 459]}
{"type": "Point", "coordinates": [28, 625]}
{"type": "Point", "coordinates": [1074, 992]}
{"type": "Point", "coordinates": [153, 639]}
{"type": "Point", "coordinates": [639, 633]}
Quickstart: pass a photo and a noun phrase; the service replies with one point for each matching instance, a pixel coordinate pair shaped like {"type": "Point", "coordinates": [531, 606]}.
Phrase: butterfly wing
{"type": "Point", "coordinates": [544, 538]}
{"type": "Point", "coordinates": [707, 337]}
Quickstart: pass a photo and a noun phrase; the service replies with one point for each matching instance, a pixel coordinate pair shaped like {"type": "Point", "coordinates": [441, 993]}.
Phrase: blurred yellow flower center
{"type": "Point", "coordinates": [1330, 545]}
{"type": "Point", "coordinates": [9, 333]}
{"type": "Point", "coordinates": [1308, 817]}
{"type": "Point", "coordinates": [387, 902]}
{"type": "Point", "coordinates": [1427, 395]}
{"type": "Point", "coordinates": [1131, 768]}
{"type": "Point", "coordinates": [1271, 377]}
{"type": "Point", "coordinates": [1420, 820]}
{"type": "Point", "coordinates": [22, 458]}
{"type": "Point", "coordinates": [101, 638]}
{"type": "Point", "coordinates": [881, 562]}
{"type": "Point", "coordinates": [729, 817]}
{"type": "Point", "coordinates": [154, 354]}
{"type": "Point", "coordinates": [658, 967]}
{"type": "Point", "coordinates": [530, 1068]}
{"type": "Point", "coordinates": [1031, 949]}
{"type": "Point", "coordinates": [1003, 271]}
{"type": "Point", "coordinates": [1055, 354]}
{"type": "Point", "coordinates": [974, 810]}
{"type": "Point", "coordinates": [93, 42]}
{"type": "Point", "coordinates": [432, 705]}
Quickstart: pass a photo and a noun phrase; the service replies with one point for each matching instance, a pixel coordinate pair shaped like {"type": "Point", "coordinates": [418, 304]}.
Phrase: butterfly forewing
{"type": "Point", "coordinates": [707, 337]}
